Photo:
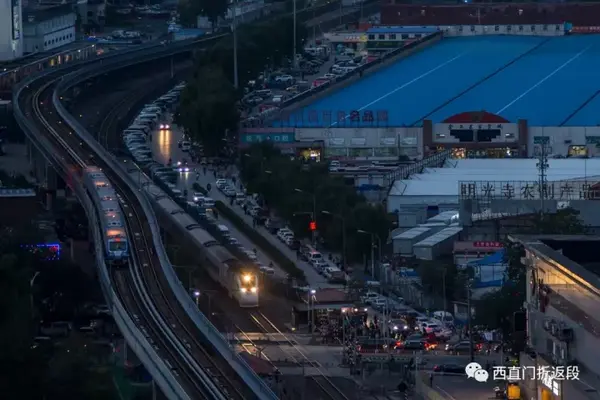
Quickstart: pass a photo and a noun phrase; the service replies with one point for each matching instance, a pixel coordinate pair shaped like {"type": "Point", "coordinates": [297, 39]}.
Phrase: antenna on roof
{"type": "Point", "coordinates": [542, 166]}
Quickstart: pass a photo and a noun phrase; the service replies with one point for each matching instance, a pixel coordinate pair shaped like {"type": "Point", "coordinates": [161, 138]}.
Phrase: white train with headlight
{"type": "Point", "coordinates": [240, 281]}
{"type": "Point", "coordinates": [110, 215]}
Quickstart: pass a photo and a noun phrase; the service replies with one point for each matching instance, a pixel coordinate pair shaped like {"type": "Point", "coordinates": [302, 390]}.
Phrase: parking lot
{"type": "Point", "coordinates": [314, 68]}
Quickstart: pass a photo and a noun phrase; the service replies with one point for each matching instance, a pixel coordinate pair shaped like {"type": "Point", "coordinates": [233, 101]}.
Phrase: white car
{"type": "Point", "coordinates": [369, 297]}
{"type": "Point", "coordinates": [284, 233]}
{"type": "Point", "coordinates": [164, 126]}
{"type": "Point", "coordinates": [229, 191]}
{"type": "Point", "coordinates": [221, 183]}
{"type": "Point", "coordinates": [284, 78]}
{"type": "Point", "coordinates": [198, 197]}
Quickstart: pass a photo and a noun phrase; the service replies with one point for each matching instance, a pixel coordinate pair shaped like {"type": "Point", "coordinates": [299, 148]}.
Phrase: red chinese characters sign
{"type": "Point", "coordinates": [585, 29]}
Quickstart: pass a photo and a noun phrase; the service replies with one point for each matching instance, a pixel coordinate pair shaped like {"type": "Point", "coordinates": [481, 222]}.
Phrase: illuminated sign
{"type": "Point", "coordinates": [551, 383]}
{"type": "Point", "coordinates": [16, 19]}
{"type": "Point", "coordinates": [268, 137]}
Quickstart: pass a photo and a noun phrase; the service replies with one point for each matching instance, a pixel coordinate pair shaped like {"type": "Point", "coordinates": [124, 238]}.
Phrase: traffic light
{"type": "Point", "coordinates": [312, 226]}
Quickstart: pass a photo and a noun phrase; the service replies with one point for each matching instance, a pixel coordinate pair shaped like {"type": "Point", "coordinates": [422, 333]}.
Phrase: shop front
{"type": "Point", "coordinates": [549, 388]}
{"type": "Point", "coordinates": [356, 41]}
{"type": "Point", "coordinates": [493, 152]}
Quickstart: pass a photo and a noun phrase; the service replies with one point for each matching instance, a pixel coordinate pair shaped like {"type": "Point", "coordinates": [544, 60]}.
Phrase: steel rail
{"type": "Point", "coordinates": [300, 358]}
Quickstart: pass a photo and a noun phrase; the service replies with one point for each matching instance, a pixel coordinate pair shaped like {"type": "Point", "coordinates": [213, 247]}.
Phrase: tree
{"type": "Point", "coordinates": [261, 46]}
{"type": "Point", "coordinates": [208, 108]}
{"type": "Point", "coordinates": [212, 9]}
{"type": "Point", "coordinates": [289, 186]}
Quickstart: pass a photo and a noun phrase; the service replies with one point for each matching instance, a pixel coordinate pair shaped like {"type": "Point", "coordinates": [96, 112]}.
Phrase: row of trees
{"type": "Point", "coordinates": [209, 105]}
{"type": "Point", "coordinates": [30, 372]}
{"type": "Point", "coordinates": [296, 190]}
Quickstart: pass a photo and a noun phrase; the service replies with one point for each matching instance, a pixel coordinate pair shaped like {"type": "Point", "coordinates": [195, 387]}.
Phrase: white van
{"type": "Point", "coordinates": [444, 317]}
{"type": "Point", "coordinates": [224, 230]}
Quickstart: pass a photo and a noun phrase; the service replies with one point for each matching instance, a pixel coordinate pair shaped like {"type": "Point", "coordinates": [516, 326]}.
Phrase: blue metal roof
{"type": "Point", "coordinates": [403, 29]}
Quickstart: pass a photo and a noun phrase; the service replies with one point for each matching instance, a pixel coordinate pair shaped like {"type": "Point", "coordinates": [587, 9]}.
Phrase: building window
{"type": "Point", "coordinates": [417, 35]}
{"type": "Point", "coordinates": [404, 36]}
{"type": "Point", "coordinates": [545, 27]}
{"type": "Point", "coordinates": [371, 37]}
{"type": "Point", "coordinates": [497, 28]}
{"type": "Point", "coordinates": [336, 152]}
{"type": "Point", "coordinates": [386, 152]}
{"type": "Point", "coordinates": [381, 37]}
{"type": "Point", "coordinates": [361, 152]}
{"type": "Point", "coordinates": [392, 36]}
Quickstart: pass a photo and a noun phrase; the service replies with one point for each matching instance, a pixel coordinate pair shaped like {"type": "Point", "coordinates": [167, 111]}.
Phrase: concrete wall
{"type": "Point", "coordinates": [559, 139]}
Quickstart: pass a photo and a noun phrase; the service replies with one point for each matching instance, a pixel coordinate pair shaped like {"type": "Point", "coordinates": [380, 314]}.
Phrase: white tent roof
{"type": "Point", "coordinates": [445, 181]}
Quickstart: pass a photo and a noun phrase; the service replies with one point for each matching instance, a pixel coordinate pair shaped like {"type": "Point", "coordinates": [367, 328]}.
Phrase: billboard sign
{"type": "Point", "coordinates": [16, 19]}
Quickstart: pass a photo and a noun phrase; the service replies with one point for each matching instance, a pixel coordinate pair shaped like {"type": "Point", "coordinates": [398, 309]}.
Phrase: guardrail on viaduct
{"type": "Point", "coordinates": [138, 343]}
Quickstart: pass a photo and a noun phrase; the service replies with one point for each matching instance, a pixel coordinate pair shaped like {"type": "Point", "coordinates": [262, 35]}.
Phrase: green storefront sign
{"type": "Point", "coordinates": [267, 137]}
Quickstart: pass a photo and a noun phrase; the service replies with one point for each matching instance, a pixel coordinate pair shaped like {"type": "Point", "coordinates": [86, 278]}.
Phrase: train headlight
{"type": "Point", "coordinates": [247, 278]}
{"type": "Point", "coordinates": [254, 289]}
{"type": "Point", "coordinates": [243, 290]}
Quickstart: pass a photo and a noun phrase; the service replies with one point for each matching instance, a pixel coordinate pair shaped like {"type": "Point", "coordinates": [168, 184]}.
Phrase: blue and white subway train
{"type": "Point", "coordinates": [110, 215]}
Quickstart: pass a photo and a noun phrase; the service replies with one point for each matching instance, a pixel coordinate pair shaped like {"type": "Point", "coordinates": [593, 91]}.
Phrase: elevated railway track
{"type": "Point", "coordinates": [198, 370]}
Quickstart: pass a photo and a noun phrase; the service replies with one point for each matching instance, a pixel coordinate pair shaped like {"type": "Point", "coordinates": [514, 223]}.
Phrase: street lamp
{"type": "Point", "coordinates": [373, 236]}
{"type": "Point", "coordinates": [314, 212]}
{"type": "Point", "coordinates": [341, 218]}
{"type": "Point", "coordinates": [196, 296]}
{"type": "Point", "coordinates": [31, 283]}
{"type": "Point", "coordinates": [311, 310]}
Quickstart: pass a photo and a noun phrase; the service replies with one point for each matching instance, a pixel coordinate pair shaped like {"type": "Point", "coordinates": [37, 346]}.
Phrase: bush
{"type": "Point", "coordinates": [273, 252]}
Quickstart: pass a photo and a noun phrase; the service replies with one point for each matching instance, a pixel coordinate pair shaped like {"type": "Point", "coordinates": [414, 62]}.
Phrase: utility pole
{"type": "Point", "coordinates": [470, 323]}
{"type": "Point", "coordinates": [542, 166]}
{"type": "Point", "coordinates": [373, 256]}
{"type": "Point", "coordinates": [236, 83]}
{"type": "Point", "coordinates": [295, 62]}
{"type": "Point", "coordinates": [444, 292]}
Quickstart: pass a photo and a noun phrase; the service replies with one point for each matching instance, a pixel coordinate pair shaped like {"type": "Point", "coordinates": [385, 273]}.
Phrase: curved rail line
{"type": "Point", "coordinates": [192, 378]}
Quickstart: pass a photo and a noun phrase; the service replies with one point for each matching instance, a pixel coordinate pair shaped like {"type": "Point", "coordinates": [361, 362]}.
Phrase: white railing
{"type": "Point", "coordinates": [202, 323]}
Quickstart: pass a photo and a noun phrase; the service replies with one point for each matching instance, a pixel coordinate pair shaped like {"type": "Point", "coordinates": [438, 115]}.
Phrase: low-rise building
{"type": "Point", "coordinates": [48, 28]}
{"type": "Point", "coordinates": [563, 330]}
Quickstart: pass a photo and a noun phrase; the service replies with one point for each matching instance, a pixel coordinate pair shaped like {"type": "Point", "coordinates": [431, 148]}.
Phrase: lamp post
{"type": "Point", "coordinates": [314, 212]}
{"type": "Point", "coordinates": [197, 297]}
{"type": "Point", "coordinates": [373, 237]}
{"type": "Point", "coordinates": [311, 310]}
{"type": "Point", "coordinates": [31, 283]}
{"type": "Point", "coordinates": [470, 322]}
{"type": "Point", "coordinates": [341, 218]}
